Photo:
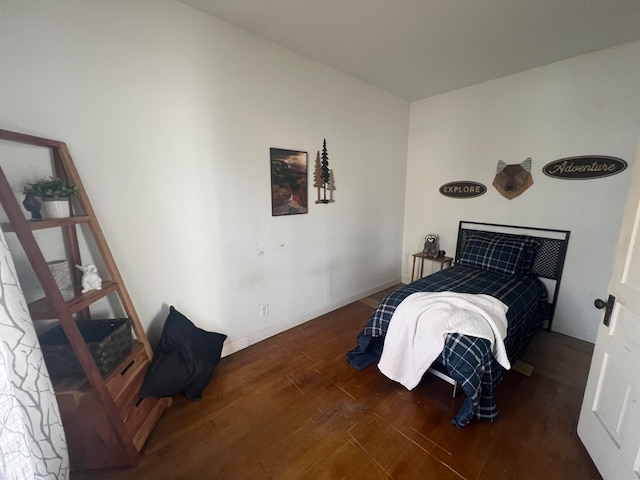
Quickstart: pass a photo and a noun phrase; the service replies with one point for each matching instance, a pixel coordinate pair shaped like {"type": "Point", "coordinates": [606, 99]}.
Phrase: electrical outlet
{"type": "Point", "coordinates": [264, 310]}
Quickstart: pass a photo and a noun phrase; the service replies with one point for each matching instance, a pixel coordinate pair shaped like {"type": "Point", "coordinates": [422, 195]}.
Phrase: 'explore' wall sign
{"type": "Point", "coordinates": [462, 189]}
{"type": "Point", "coordinates": [584, 168]}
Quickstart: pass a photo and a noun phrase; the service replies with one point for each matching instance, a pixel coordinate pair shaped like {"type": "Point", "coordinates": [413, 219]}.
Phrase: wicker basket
{"type": "Point", "coordinates": [109, 341]}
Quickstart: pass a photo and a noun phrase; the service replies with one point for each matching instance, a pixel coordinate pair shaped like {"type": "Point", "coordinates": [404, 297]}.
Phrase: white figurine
{"type": "Point", "coordinates": [90, 279]}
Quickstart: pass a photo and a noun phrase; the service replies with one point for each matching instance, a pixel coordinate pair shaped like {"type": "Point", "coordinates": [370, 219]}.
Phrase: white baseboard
{"type": "Point", "coordinates": [286, 324]}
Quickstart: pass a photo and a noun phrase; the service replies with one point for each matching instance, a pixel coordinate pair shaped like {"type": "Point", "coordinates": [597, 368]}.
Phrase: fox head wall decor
{"type": "Point", "coordinates": [512, 180]}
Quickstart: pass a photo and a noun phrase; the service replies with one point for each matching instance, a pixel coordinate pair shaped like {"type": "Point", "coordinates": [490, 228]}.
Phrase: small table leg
{"type": "Point", "coordinates": [413, 269]}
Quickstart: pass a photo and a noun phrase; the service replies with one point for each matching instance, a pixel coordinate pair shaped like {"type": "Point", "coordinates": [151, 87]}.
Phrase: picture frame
{"type": "Point", "coordinates": [288, 182]}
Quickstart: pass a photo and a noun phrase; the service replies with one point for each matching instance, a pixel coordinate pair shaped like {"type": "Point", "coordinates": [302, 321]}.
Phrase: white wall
{"type": "Point", "coordinates": [581, 106]}
{"type": "Point", "coordinates": [169, 115]}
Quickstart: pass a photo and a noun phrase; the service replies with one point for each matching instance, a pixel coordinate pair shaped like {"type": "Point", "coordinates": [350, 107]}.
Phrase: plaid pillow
{"type": "Point", "coordinates": [531, 245]}
{"type": "Point", "coordinates": [493, 254]}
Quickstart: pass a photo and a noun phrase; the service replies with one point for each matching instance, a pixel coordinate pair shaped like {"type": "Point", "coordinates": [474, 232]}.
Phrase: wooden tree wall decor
{"type": "Point", "coordinates": [323, 176]}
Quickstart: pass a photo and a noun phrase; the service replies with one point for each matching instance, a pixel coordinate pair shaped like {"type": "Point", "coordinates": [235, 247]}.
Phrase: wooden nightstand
{"type": "Point", "coordinates": [441, 260]}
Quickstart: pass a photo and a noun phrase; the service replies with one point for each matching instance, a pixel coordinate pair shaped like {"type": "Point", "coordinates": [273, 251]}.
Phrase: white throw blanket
{"type": "Point", "coordinates": [420, 324]}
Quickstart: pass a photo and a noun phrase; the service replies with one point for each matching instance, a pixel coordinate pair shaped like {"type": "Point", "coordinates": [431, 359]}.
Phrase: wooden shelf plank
{"type": "Point", "coordinates": [42, 310]}
{"type": "Point", "coordinates": [49, 223]}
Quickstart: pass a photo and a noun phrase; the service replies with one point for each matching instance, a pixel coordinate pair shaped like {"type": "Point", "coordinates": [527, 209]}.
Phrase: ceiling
{"type": "Point", "coordinates": [420, 48]}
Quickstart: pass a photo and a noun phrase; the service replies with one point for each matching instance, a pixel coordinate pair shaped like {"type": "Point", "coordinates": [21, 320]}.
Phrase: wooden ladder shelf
{"type": "Point", "coordinates": [105, 421]}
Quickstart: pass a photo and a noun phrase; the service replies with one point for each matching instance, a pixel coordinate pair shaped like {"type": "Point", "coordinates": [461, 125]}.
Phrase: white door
{"type": "Point", "coordinates": [609, 424]}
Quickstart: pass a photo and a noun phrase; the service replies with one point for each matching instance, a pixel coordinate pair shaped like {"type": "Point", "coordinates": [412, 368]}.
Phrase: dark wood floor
{"type": "Point", "coordinates": [291, 407]}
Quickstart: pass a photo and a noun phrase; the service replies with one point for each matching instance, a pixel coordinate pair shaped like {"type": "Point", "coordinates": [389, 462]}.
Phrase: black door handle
{"type": "Point", "coordinates": [600, 304]}
{"type": "Point", "coordinates": [608, 305]}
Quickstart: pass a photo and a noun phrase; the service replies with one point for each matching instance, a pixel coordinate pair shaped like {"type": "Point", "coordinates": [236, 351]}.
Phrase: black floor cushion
{"type": "Point", "coordinates": [184, 359]}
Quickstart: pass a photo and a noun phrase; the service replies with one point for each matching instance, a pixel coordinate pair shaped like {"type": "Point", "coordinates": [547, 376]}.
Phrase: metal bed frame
{"type": "Point", "coordinates": [550, 257]}
{"type": "Point", "coordinates": [548, 263]}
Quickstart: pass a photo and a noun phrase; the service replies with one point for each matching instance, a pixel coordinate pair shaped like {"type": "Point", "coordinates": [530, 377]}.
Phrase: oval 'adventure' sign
{"type": "Point", "coordinates": [462, 189]}
{"type": "Point", "coordinates": [584, 168]}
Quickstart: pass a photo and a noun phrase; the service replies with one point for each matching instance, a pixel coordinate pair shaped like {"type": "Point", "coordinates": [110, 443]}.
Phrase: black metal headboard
{"type": "Point", "coordinates": [550, 257]}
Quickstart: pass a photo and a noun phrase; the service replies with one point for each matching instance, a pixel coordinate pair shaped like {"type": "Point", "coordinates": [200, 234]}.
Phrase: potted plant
{"type": "Point", "coordinates": [54, 193]}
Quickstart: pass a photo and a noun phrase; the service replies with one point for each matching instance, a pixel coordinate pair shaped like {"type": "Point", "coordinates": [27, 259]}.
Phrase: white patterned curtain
{"type": "Point", "coordinates": [32, 441]}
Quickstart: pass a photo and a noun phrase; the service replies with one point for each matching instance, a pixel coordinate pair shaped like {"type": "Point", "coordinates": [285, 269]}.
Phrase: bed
{"type": "Point", "coordinates": [518, 266]}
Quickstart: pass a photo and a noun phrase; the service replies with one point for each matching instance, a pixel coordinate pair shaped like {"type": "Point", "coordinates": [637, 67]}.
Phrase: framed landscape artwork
{"type": "Point", "coordinates": [288, 182]}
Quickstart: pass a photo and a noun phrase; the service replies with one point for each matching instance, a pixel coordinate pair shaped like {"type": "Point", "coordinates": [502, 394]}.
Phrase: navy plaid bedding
{"type": "Point", "coordinates": [496, 255]}
{"type": "Point", "coordinates": [466, 360]}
